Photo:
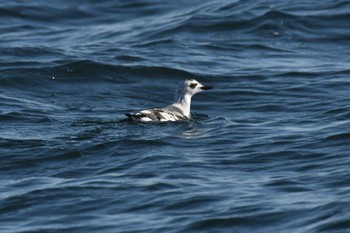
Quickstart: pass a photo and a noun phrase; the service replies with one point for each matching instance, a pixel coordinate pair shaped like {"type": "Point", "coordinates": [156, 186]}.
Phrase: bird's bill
{"type": "Point", "coordinates": [206, 87]}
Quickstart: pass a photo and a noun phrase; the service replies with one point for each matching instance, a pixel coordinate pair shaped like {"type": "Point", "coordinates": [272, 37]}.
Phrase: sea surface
{"type": "Point", "coordinates": [267, 150]}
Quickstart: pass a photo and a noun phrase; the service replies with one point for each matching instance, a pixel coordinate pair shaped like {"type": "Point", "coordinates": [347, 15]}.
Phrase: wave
{"type": "Point", "coordinates": [85, 71]}
{"type": "Point", "coordinates": [213, 17]}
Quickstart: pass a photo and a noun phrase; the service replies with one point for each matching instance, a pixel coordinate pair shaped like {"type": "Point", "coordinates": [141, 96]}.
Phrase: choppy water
{"type": "Point", "coordinates": [267, 149]}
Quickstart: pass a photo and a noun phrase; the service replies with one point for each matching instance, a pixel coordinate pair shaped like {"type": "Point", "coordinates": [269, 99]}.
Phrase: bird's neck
{"type": "Point", "coordinates": [184, 103]}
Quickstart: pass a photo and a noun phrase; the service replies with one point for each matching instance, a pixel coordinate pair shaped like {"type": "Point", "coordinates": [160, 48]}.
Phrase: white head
{"type": "Point", "coordinates": [189, 87]}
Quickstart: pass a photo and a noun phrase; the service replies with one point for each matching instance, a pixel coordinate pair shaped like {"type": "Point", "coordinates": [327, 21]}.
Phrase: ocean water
{"type": "Point", "coordinates": [267, 150]}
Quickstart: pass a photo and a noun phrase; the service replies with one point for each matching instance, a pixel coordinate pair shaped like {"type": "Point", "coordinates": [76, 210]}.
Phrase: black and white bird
{"type": "Point", "coordinates": [178, 111]}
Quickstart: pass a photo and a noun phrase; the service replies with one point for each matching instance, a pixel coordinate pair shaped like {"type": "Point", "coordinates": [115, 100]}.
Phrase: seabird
{"type": "Point", "coordinates": [179, 110]}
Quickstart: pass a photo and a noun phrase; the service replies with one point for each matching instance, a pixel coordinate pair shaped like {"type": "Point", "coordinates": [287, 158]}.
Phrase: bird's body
{"type": "Point", "coordinates": [158, 114]}
{"type": "Point", "coordinates": [178, 111]}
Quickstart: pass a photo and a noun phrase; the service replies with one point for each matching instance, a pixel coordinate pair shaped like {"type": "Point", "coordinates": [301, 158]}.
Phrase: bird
{"type": "Point", "coordinates": [178, 111]}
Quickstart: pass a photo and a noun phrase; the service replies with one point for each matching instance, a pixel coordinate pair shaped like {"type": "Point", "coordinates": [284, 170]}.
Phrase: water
{"type": "Point", "coordinates": [267, 150]}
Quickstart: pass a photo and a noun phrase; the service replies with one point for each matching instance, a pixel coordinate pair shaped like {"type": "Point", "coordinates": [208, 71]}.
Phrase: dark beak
{"type": "Point", "coordinates": [206, 87]}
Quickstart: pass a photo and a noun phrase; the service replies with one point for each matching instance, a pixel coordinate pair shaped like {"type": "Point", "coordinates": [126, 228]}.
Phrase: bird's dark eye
{"type": "Point", "coordinates": [193, 85]}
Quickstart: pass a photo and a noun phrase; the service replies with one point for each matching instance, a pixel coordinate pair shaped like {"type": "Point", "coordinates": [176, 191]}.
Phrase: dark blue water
{"type": "Point", "coordinates": [267, 150]}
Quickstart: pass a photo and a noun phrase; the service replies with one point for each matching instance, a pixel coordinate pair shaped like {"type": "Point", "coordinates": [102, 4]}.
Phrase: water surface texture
{"type": "Point", "coordinates": [267, 150]}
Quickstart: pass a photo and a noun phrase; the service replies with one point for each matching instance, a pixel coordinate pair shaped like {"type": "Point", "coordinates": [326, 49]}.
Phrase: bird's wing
{"type": "Point", "coordinates": [156, 115]}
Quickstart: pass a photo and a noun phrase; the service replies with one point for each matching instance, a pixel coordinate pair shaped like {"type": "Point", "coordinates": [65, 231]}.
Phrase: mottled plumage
{"type": "Point", "coordinates": [179, 110]}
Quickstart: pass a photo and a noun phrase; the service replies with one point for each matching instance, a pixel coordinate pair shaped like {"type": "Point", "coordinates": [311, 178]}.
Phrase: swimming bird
{"type": "Point", "coordinates": [178, 111]}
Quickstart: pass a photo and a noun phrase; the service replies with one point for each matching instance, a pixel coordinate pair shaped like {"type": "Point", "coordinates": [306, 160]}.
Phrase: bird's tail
{"type": "Point", "coordinates": [128, 115]}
